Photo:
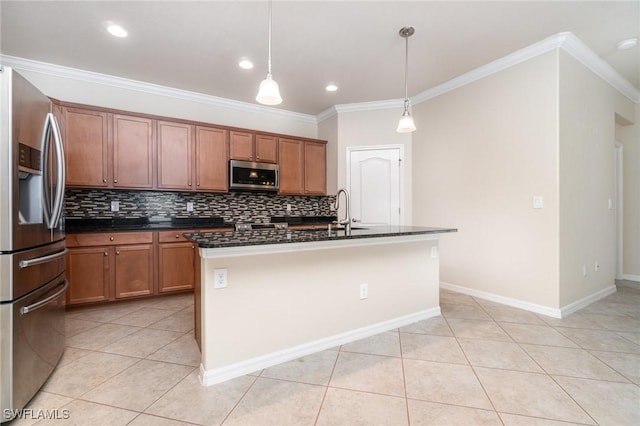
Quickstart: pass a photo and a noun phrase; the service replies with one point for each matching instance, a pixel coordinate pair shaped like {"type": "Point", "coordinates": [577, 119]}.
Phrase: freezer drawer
{"type": "Point", "coordinates": [32, 343]}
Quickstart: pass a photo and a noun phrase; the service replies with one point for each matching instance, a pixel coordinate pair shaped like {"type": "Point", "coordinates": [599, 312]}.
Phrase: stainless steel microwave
{"type": "Point", "coordinates": [248, 175]}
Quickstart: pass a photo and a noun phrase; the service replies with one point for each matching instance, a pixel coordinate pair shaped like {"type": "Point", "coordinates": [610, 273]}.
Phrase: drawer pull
{"type": "Point", "coordinates": [118, 253]}
{"type": "Point", "coordinates": [111, 238]}
{"type": "Point", "coordinates": [115, 181]}
{"type": "Point", "coordinates": [104, 181]}
{"type": "Point", "coordinates": [177, 236]}
{"type": "Point", "coordinates": [106, 254]}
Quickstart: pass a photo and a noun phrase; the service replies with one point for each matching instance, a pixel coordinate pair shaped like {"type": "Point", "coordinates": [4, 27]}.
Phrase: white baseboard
{"type": "Point", "coordinates": [586, 301]}
{"type": "Point", "coordinates": [631, 277]}
{"type": "Point", "coordinates": [532, 307]}
{"type": "Point", "coordinates": [218, 375]}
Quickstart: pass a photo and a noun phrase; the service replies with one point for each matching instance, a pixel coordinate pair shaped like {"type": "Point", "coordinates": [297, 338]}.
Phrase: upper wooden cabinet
{"type": "Point", "coordinates": [303, 167]}
{"type": "Point", "coordinates": [291, 154]}
{"type": "Point", "coordinates": [107, 150]}
{"type": "Point", "coordinates": [175, 155]}
{"type": "Point", "coordinates": [132, 152]}
{"type": "Point", "coordinates": [192, 163]}
{"type": "Point", "coordinates": [246, 146]}
{"type": "Point", "coordinates": [211, 159]}
{"type": "Point", "coordinates": [315, 168]}
{"type": "Point", "coordinates": [86, 139]}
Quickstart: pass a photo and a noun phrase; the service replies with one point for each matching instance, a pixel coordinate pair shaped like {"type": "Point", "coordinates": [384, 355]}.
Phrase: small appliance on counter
{"type": "Point", "coordinates": [32, 250]}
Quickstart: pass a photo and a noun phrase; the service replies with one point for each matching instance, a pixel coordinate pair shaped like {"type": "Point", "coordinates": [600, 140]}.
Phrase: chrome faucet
{"type": "Point", "coordinates": [346, 222]}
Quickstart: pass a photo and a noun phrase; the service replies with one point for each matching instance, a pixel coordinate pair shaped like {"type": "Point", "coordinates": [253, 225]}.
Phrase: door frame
{"type": "Point", "coordinates": [400, 149]}
{"type": "Point", "coordinates": [619, 206]}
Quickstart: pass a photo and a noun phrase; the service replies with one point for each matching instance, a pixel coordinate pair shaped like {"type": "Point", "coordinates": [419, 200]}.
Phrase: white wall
{"type": "Point", "coordinates": [169, 104]}
{"type": "Point", "coordinates": [328, 130]}
{"type": "Point", "coordinates": [370, 128]}
{"type": "Point", "coordinates": [628, 133]}
{"type": "Point", "coordinates": [588, 108]}
{"type": "Point", "coordinates": [480, 153]}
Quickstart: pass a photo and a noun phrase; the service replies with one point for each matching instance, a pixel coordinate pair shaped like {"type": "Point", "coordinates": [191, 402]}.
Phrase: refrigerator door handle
{"type": "Point", "coordinates": [52, 210]}
{"type": "Point", "coordinates": [58, 204]}
{"type": "Point", "coordinates": [35, 306]}
{"type": "Point", "coordinates": [43, 259]}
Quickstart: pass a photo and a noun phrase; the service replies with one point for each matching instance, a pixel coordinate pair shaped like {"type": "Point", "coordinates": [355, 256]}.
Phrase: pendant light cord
{"type": "Point", "coordinates": [406, 72]}
{"type": "Point", "coordinates": [269, 59]}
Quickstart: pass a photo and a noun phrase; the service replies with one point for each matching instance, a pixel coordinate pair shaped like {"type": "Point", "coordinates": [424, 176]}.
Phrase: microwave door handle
{"type": "Point", "coordinates": [46, 145]}
{"type": "Point", "coordinates": [58, 203]}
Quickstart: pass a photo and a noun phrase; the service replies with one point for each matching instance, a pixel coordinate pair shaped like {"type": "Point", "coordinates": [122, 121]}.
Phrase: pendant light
{"type": "Point", "coordinates": [269, 92]}
{"type": "Point", "coordinates": [406, 124]}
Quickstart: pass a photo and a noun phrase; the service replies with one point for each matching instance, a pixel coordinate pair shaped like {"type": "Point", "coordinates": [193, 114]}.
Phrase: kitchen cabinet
{"type": "Point", "coordinates": [247, 146]}
{"type": "Point", "coordinates": [303, 167]}
{"type": "Point", "coordinates": [315, 168]}
{"type": "Point", "coordinates": [108, 266]}
{"type": "Point", "coordinates": [192, 164]}
{"type": "Point", "coordinates": [86, 140]}
{"type": "Point", "coordinates": [88, 272]}
{"type": "Point", "coordinates": [176, 261]}
{"type": "Point", "coordinates": [175, 155]}
{"type": "Point", "coordinates": [105, 150]}
{"type": "Point", "coordinates": [211, 159]}
{"type": "Point", "coordinates": [133, 142]}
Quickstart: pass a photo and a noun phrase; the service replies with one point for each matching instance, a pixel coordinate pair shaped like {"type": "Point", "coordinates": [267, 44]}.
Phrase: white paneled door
{"type": "Point", "coordinates": [374, 182]}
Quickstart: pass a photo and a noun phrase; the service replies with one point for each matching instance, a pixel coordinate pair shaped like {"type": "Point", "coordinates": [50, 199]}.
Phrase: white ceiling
{"type": "Point", "coordinates": [196, 46]}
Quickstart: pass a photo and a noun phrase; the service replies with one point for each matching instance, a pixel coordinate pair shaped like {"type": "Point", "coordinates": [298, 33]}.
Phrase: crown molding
{"type": "Point", "coordinates": [327, 114]}
{"type": "Point", "coordinates": [566, 41]}
{"type": "Point", "coordinates": [149, 88]}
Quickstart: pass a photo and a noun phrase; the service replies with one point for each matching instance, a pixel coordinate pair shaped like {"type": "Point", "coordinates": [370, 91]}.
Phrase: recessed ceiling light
{"type": "Point", "coordinates": [116, 30]}
{"type": "Point", "coordinates": [627, 43]}
{"type": "Point", "coordinates": [245, 64]}
{"type": "Point", "coordinates": [331, 87]}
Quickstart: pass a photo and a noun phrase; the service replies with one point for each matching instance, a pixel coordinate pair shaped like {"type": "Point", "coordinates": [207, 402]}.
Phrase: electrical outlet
{"type": "Point", "coordinates": [220, 278]}
{"type": "Point", "coordinates": [537, 202]}
{"type": "Point", "coordinates": [189, 207]}
{"type": "Point", "coordinates": [115, 206]}
{"type": "Point", "coordinates": [364, 291]}
{"type": "Point", "coordinates": [434, 252]}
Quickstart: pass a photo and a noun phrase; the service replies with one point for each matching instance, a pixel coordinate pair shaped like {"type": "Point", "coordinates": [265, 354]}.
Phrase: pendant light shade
{"type": "Point", "coordinates": [406, 124]}
{"type": "Point", "coordinates": [269, 92]}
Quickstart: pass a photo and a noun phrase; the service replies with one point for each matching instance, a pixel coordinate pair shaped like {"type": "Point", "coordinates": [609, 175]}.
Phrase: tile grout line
{"type": "Point", "coordinates": [326, 387]}
{"type": "Point", "coordinates": [404, 379]}
{"type": "Point", "coordinates": [244, 394]}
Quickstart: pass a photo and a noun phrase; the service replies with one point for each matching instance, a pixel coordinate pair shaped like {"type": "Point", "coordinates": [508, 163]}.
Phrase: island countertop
{"type": "Point", "coordinates": [213, 240]}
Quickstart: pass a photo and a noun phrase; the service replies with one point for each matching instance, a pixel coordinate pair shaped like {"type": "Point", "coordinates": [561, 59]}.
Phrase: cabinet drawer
{"type": "Point", "coordinates": [173, 236]}
{"type": "Point", "coordinates": [108, 238]}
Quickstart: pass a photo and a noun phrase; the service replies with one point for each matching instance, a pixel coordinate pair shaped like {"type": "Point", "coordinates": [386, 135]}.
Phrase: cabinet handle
{"type": "Point", "coordinates": [198, 184]}
{"type": "Point", "coordinates": [111, 238]}
{"type": "Point", "coordinates": [104, 181]}
{"type": "Point", "coordinates": [193, 247]}
{"type": "Point", "coordinates": [117, 252]}
{"type": "Point", "coordinates": [189, 184]}
{"type": "Point", "coordinates": [115, 181]}
{"type": "Point", "coordinates": [177, 236]}
{"type": "Point", "coordinates": [106, 254]}
{"type": "Point", "coordinates": [258, 157]}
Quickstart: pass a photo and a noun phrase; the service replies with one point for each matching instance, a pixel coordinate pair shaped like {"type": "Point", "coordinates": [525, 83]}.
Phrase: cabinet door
{"type": "Point", "coordinates": [315, 168]}
{"type": "Point", "coordinates": [86, 140]}
{"type": "Point", "coordinates": [175, 152]}
{"type": "Point", "coordinates": [212, 159]}
{"type": "Point", "coordinates": [266, 149]}
{"type": "Point", "coordinates": [88, 272]}
{"type": "Point", "coordinates": [176, 267]}
{"type": "Point", "coordinates": [132, 152]}
{"type": "Point", "coordinates": [241, 146]}
{"type": "Point", "coordinates": [133, 270]}
{"type": "Point", "coordinates": [291, 154]}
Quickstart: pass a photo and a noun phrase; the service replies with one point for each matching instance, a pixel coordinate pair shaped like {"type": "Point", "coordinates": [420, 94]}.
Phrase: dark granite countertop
{"type": "Point", "coordinates": [276, 236]}
{"type": "Point", "coordinates": [72, 225]}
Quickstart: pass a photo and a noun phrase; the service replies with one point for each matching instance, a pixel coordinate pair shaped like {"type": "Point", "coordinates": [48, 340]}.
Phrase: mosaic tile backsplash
{"type": "Point", "coordinates": [233, 206]}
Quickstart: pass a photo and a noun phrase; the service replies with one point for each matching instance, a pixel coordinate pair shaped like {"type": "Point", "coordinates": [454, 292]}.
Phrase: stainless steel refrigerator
{"type": "Point", "coordinates": [32, 250]}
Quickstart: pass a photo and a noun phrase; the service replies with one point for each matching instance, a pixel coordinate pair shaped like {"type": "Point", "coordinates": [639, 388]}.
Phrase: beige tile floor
{"type": "Point", "coordinates": [481, 363]}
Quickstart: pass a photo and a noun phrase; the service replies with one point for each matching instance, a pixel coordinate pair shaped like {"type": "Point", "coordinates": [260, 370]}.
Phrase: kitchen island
{"type": "Point", "coordinates": [268, 296]}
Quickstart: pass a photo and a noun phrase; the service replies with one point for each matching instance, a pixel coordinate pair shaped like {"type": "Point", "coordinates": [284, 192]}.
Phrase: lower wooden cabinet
{"type": "Point", "coordinates": [108, 266]}
{"type": "Point", "coordinates": [176, 262]}
{"type": "Point", "coordinates": [88, 271]}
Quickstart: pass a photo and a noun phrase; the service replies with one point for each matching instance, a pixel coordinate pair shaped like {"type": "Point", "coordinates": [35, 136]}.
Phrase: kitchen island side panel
{"type": "Point", "coordinates": [274, 302]}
